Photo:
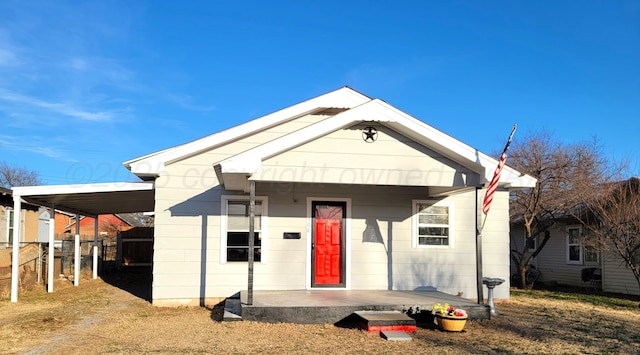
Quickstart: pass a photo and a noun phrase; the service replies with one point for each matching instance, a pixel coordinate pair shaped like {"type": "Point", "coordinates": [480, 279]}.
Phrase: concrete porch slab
{"type": "Point", "coordinates": [333, 306]}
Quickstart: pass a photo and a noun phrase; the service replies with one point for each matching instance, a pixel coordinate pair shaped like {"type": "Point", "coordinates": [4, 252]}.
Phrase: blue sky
{"type": "Point", "coordinates": [86, 85]}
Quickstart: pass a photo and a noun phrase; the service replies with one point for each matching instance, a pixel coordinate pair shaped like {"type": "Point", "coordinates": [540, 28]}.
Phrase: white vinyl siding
{"type": "Point", "coordinates": [616, 276]}
{"type": "Point", "coordinates": [343, 157]}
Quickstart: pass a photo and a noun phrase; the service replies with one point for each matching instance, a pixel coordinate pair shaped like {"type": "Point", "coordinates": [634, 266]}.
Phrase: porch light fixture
{"type": "Point", "coordinates": [369, 134]}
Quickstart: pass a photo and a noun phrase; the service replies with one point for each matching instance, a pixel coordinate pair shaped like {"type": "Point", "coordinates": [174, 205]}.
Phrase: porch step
{"type": "Point", "coordinates": [232, 310]}
{"type": "Point", "coordinates": [385, 321]}
{"type": "Point", "coordinates": [396, 336]}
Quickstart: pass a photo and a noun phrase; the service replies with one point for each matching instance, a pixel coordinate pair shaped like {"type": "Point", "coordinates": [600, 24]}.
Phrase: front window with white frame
{"type": "Point", "coordinates": [234, 233]}
{"type": "Point", "coordinates": [574, 245]}
{"type": "Point", "coordinates": [432, 224]}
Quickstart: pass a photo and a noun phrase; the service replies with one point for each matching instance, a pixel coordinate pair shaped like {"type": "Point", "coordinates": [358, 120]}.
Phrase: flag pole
{"type": "Point", "coordinates": [493, 186]}
{"type": "Point", "coordinates": [488, 198]}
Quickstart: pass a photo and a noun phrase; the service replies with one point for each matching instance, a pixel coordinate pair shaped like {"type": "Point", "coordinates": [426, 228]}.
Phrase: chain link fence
{"type": "Point", "coordinates": [33, 258]}
{"type": "Point", "coordinates": [130, 249]}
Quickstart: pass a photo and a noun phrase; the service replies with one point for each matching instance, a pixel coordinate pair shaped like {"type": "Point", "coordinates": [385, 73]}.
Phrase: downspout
{"type": "Point", "coordinates": [478, 255]}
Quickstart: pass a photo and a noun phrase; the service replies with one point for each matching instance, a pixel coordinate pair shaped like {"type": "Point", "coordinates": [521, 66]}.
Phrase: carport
{"type": "Point", "coordinates": [89, 200]}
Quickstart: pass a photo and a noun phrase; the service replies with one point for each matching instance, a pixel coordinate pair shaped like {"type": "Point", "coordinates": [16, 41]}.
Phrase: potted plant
{"type": "Point", "coordinates": [449, 318]}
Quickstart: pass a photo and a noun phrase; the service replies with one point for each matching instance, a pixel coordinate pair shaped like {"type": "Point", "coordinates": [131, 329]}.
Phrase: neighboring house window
{"type": "Point", "coordinates": [432, 224]}
{"type": "Point", "coordinates": [590, 252]}
{"type": "Point", "coordinates": [590, 255]}
{"type": "Point", "coordinates": [10, 227]}
{"type": "Point", "coordinates": [532, 242]}
{"type": "Point", "coordinates": [634, 257]}
{"type": "Point", "coordinates": [235, 229]}
{"type": "Point", "coordinates": [574, 245]}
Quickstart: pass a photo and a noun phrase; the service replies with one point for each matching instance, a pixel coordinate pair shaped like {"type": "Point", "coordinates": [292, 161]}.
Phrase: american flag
{"type": "Point", "coordinates": [496, 175]}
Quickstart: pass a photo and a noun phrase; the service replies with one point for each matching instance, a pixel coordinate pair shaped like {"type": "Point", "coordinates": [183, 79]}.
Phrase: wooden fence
{"type": "Point", "coordinates": [135, 247]}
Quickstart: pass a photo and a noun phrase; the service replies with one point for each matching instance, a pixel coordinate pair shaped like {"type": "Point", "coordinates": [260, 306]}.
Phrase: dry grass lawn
{"type": "Point", "coordinates": [97, 317]}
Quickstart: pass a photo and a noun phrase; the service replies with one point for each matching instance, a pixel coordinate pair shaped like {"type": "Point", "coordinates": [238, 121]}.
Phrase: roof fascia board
{"type": "Point", "coordinates": [154, 163]}
{"type": "Point", "coordinates": [82, 188]}
{"type": "Point", "coordinates": [514, 178]}
{"type": "Point", "coordinates": [127, 164]}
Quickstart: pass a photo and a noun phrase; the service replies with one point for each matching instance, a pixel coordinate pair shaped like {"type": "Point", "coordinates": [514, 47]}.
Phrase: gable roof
{"type": "Point", "coordinates": [149, 166]}
{"type": "Point", "coordinates": [354, 108]}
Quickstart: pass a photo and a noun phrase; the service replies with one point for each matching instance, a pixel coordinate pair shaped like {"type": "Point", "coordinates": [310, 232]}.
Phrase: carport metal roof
{"type": "Point", "coordinates": [92, 199]}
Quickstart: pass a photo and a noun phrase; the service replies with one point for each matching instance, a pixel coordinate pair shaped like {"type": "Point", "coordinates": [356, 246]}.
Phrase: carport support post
{"type": "Point", "coordinates": [76, 252]}
{"type": "Point", "coordinates": [95, 248]}
{"type": "Point", "coordinates": [15, 256]}
{"type": "Point", "coordinates": [52, 249]}
{"type": "Point", "coordinates": [252, 214]}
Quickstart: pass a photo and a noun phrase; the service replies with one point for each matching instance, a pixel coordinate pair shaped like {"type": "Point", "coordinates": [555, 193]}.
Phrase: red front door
{"type": "Point", "coordinates": [328, 243]}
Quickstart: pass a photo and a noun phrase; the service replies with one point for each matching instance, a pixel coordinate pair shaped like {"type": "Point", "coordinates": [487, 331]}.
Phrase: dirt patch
{"type": "Point", "coordinates": [97, 317]}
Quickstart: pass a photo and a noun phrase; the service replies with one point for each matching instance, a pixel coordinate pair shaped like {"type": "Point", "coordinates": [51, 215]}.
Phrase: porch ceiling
{"type": "Point", "coordinates": [92, 199]}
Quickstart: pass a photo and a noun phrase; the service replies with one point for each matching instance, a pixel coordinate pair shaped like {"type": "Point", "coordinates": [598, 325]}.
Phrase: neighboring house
{"type": "Point", "coordinates": [350, 193]}
{"type": "Point", "coordinates": [563, 257]}
{"type": "Point", "coordinates": [566, 255]}
{"type": "Point", "coordinates": [29, 219]}
{"type": "Point", "coordinates": [29, 233]}
{"type": "Point", "coordinates": [108, 224]}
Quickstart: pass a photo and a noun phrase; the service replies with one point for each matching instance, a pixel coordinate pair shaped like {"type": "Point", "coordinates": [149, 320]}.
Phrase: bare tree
{"type": "Point", "coordinates": [113, 224]}
{"type": "Point", "coordinates": [564, 172]}
{"type": "Point", "coordinates": [11, 176]}
{"type": "Point", "coordinates": [110, 224]}
{"type": "Point", "coordinates": [611, 216]}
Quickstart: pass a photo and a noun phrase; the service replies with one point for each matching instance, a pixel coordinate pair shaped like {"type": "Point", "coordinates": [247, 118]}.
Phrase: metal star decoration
{"type": "Point", "coordinates": [369, 134]}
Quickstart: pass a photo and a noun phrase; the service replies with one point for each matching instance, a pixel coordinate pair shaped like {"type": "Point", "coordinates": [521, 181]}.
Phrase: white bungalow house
{"type": "Point", "coordinates": [350, 193]}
